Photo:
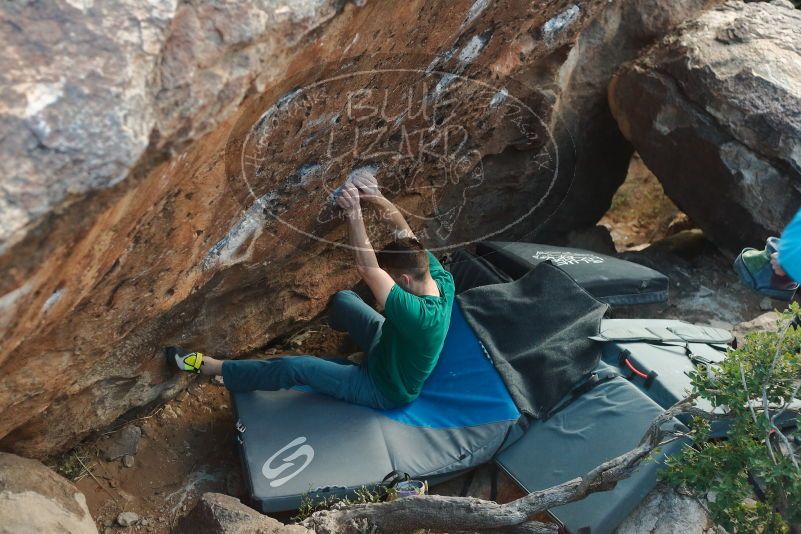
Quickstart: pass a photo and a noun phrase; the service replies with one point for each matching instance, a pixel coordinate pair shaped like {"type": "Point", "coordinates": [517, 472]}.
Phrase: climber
{"type": "Point", "coordinates": [402, 346]}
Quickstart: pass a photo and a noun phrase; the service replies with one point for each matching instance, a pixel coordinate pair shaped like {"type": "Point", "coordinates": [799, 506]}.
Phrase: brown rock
{"type": "Point", "coordinates": [216, 513]}
{"type": "Point", "coordinates": [35, 499]}
{"type": "Point", "coordinates": [164, 178]}
{"type": "Point", "coordinates": [762, 323]}
{"type": "Point", "coordinates": [679, 223]}
{"type": "Point", "coordinates": [713, 110]}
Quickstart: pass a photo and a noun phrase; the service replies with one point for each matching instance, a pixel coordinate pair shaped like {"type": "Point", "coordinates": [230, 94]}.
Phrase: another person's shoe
{"type": "Point", "coordinates": [756, 272]}
{"type": "Point", "coordinates": [184, 359]}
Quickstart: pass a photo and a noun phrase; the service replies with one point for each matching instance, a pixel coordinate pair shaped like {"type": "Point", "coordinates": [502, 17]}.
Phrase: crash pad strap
{"type": "Point", "coordinates": [603, 374]}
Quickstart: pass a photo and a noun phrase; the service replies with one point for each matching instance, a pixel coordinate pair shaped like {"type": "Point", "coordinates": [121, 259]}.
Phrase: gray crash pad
{"type": "Point", "coordinates": [605, 422]}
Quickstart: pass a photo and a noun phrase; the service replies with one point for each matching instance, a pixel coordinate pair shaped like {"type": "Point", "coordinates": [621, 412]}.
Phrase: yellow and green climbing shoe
{"type": "Point", "coordinates": [184, 359]}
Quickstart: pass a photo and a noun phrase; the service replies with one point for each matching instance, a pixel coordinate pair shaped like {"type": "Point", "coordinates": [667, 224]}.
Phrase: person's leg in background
{"type": "Point", "coordinates": [349, 313]}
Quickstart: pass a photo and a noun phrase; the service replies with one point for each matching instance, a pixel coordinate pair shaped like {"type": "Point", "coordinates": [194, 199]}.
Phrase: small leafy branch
{"type": "Point", "coordinates": [752, 478]}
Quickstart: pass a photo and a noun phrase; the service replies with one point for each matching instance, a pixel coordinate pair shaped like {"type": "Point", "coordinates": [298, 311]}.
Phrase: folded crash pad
{"type": "Point", "coordinates": [295, 443]}
{"type": "Point", "coordinates": [608, 420]}
{"type": "Point", "coordinates": [659, 355]}
{"type": "Point", "coordinates": [611, 280]}
{"type": "Point", "coordinates": [661, 365]}
{"type": "Point", "coordinates": [538, 331]}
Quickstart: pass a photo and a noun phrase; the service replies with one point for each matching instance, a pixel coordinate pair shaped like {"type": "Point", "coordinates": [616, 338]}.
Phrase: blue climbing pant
{"type": "Point", "coordinates": [341, 379]}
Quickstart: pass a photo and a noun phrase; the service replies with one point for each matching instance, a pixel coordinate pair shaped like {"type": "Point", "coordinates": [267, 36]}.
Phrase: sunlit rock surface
{"type": "Point", "coordinates": [715, 112]}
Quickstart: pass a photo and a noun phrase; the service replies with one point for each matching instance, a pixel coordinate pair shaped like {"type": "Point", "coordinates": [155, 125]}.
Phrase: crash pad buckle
{"type": "Point", "coordinates": [240, 427]}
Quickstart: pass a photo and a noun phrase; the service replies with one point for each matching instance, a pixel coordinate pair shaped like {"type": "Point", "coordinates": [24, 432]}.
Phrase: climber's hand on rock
{"type": "Point", "coordinates": [777, 268]}
{"type": "Point", "coordinates": [348, 199]}
{"type": "Point", "coordinates": [365, 182]}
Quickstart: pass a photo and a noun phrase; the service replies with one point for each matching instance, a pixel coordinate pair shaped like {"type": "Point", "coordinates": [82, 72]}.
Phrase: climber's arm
{"type": "Point", "coordinates": [367, 185]}
{"type": "Point", "coordinates": [377, 279]}
{"type": "Point", "coordinates": [393, 216]}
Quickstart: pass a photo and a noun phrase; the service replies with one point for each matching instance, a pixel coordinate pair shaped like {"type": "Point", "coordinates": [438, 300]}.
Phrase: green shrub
{"type": "Point", "coordinates": [752, 478]}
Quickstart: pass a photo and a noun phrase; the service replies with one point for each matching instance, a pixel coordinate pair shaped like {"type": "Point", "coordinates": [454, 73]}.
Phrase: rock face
{"type": "Point", "coordinates": [216, 513]}
{"type": "Point", "coordinates": [666, 512]}
{"type": "Point", "coordinates": [166, 169]}
{"type": "Point", "coordinates": [715, 112]}
{"type": "Point", "coordinates": [35, 499]}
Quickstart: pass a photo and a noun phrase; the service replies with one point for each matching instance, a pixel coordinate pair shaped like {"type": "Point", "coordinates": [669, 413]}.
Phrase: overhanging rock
{"type": "Point", "coordinates": [166, 171]}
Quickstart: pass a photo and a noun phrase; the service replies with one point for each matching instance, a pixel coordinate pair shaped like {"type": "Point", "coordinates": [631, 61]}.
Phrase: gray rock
{"type": "Point", "coordinates": [122, 443]}
{"type": "Point", "coordinates": [713, 110]}
{"type": "Point", "coordinates": [128, 460]}
{"type": "Point", "coordinates": [35, 499]}
{"type": "Point", "coordinates": [766, 304]}
{"type": "Point", "coordinates": [71, 113]}
{"type": "Point", "coordinates": [216, 513]}
{"type": "Point", "coordinates": [666, 512]}
{"type": "Point", "coordinates": [127, 519]}
{"type": "Point", "coordinates": [762, 323]}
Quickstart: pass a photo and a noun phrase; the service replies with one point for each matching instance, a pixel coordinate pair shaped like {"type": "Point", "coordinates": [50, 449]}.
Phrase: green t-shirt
{"type": "Point", "coordinates": [411, 337]}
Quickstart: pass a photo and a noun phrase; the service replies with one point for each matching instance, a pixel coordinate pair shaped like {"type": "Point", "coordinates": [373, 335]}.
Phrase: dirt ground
{"type": "Point", "coordinates": [641, 213]}
{"type": "Point", "coordinates": [187, 446]}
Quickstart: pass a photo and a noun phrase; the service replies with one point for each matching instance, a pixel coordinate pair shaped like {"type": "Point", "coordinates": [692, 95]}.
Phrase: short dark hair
{"type": "Point", "coordinates": [404, 255]}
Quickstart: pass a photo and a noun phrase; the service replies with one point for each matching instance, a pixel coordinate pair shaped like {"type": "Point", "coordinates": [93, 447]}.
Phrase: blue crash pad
{"type": "Point", "coordinates": [464, 388]}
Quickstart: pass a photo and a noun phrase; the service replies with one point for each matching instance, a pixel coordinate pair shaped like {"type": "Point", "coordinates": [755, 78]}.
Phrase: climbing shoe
{"type": "Point", "coordinates": [756, 272]}
{"type": "Point", "coordinates": [185, 360]}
